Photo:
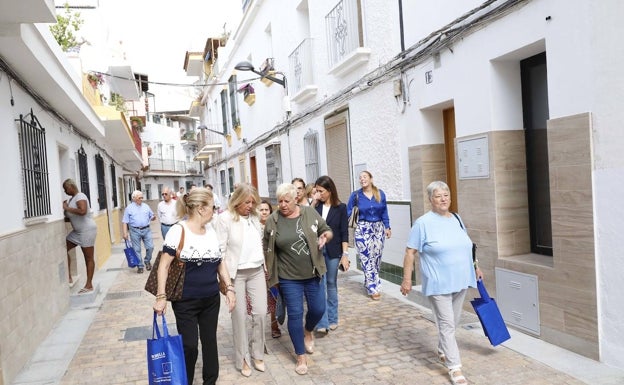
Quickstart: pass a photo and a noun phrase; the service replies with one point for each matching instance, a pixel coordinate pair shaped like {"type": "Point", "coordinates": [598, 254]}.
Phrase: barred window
{"type": "Point", "coordinates": [114, 184]}
{"type": "Point", "coordinates": [233, 88]}
{"type": "Point", "coordinates": [83, 168]}
{"type": "Point", "coordinates": [99, 169]}
{"type": "Point", "coordinates": [311, 150]}
{"type": "Point", "coordinates": [34, 159]}
{"type": "Point", "coordinates": [224, 108]}
{"type": "Point", "coordinates": [274, 169]}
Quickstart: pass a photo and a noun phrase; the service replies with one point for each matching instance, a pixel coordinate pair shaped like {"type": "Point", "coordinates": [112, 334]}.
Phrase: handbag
{"type": "Point", "coordinates": [131, 257]}
{"type": "Point", "coordinates": [355, 213]}
{"type": "Point", "coordinates": [175, 276]}
{"type": "Point", "coordinates": [165, 357]}
{"type": "Point", "coordinates": [490, 316]}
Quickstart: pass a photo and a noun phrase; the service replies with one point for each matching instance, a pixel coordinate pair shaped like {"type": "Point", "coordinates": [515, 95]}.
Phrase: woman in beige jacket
{"type": "Point", "coordinates": [239, 231]}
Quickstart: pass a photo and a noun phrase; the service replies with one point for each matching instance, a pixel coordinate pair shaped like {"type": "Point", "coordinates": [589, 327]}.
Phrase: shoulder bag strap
{"type": "Point", "coordinates": [458, 220]}
{"type": "Point", "coordinates": [181, 244]}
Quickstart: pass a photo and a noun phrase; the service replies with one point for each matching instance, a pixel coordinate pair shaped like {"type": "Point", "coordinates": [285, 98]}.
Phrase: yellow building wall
{"type": "Point", "coordinates": [102, 240]}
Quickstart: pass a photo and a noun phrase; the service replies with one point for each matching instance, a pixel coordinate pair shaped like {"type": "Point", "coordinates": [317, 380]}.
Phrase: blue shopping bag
{"type": "Point", "coordinates": [131, 256]}
{"type": "Point", "coordinates": [165, 357]}
{"type": "Point", "coordinates": [490, 316]}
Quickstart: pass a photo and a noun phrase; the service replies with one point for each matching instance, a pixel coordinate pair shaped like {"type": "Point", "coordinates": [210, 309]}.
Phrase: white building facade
{"type": "Point", "coordinates": [513, 103]}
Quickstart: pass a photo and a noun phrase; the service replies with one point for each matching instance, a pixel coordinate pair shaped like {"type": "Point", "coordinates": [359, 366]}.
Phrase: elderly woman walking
{"type": "Point", "coordinates": [447, 268]}
{"type": "Point", "coordinates": [293, 238]}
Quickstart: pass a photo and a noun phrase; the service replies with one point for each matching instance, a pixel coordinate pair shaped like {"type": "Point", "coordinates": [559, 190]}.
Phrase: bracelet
{"type": "Point", "coordinates": [232, 290]}
{"type": "Point", "coordinates": [345, 253]}
{"type": "Point", "coordinates": [161, 296]}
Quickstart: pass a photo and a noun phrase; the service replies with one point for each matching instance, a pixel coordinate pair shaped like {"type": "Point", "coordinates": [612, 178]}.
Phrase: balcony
{"type": "Point", "coordinates": [193, 63]}
{"type": "Point", "coordinates": [301, 82]}
{"type": "Point", "coordinates": [172, 166]}
{"type": "Point", "coordinates": [345, 37]}
{"type": "Point", "coordinates": [125, 141]}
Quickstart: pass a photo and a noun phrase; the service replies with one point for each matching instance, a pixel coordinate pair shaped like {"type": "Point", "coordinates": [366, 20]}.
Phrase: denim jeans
{"type": "Point", "coordinates": [329, 284]}
{"type": "Point", "coordinates": [145, 235]}
{"type": "Point", "coordinates": [203, 314]}
{"type": "Point", "coordinates": [294, 292]}
{"type": "Point", "coordinates": [164, 230]}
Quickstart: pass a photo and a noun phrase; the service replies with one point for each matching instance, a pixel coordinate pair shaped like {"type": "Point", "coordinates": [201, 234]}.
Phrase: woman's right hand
{"type": "Point", "coordinates": [160, 306]}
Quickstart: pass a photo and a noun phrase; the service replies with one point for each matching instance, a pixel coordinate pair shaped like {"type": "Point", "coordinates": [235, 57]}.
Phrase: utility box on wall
{"type": "Point", "coordinates": [517, 297]}
{"type": "Point", "coordinates": [473, 158]}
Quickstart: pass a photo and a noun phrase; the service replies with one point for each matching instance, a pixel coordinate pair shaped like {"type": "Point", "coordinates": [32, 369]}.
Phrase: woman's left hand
{"type": "Point", "coordinates": [388, 233]}
{"type": "Point", "coordinates": [322, 240]}
{"type": "Point", "coordinates": [230, 299]}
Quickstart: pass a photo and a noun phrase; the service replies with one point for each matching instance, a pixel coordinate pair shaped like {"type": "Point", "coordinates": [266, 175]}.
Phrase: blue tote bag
{"type": "Point", "coordinates": [165, 357]}
{"type": "Point", "coordinates": [131, 256]}
{"type": "Point", "coordinates": [490, 316]}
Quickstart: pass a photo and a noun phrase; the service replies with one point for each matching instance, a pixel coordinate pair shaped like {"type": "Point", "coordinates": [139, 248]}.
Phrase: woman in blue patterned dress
{"type": "Point", "coordinates": [372, 229]}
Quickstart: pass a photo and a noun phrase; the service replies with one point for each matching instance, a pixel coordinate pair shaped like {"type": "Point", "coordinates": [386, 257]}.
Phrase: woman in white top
{"type": "Point", "coordinates": [240, 232]}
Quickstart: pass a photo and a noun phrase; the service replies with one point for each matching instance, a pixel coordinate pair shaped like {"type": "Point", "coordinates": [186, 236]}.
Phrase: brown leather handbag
{"type": "Point", "coordinates": [175, 276]}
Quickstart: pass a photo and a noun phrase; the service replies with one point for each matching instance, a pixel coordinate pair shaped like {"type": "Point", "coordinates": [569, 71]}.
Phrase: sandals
{"type": "Point", "coordinates": [85, 290]}
{"type": "Point", "coordinates": [441, 357]}
{"type": "Point", "coordinates": [456, 377]}
{"type": "Point", "coordinates": [302, 367]}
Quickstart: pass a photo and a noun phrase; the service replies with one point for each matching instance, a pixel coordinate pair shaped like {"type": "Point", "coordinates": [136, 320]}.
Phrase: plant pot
{"type": "Point", "coordinates": [250, 99]}
{"type": "Point", "coordinates": [237, 130]}
{"type": "Point", "coordinates": [268, 82]}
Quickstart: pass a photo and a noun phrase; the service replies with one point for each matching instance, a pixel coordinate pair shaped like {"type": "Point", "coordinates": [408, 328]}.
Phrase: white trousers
{"type": "Point", "coordinates": [253, 283]}
{"type": "Point", "coordinates": [447, 309]}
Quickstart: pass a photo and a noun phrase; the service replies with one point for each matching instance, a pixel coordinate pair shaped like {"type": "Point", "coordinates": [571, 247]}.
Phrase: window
{"type": "Point", "coordinates": [114, 184]}
{"type": "Point", "coordinates": [223, 183]}
{"type": "Point", "coordinates": [34, 161]}
{"type": "Point", "coordinates": [224, 114]}
{"type": "Point", "coordinates": [533, 75]}
{"type": "Point", "coordinates": [101, 185]}
{"type": "Point", "coordinates": [83, 168]}
{"type": "Point", "coordinates": [344, 30]}
{"type": "Point", "coordinates": [274, 169]}
{"type": "Point", "coordinates": [311, 150]}
{"type": "Point", "coordinates": [231, 179]}
{"type": "Point", "coordinates": [147, 191]}
{"type": "Point", "coordinates": [233, 88]}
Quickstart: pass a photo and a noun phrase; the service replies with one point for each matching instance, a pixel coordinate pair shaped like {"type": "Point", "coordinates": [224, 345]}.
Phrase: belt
{"type": "Point", "coordinates": [139, 228]}
{"type": "Point", "coordinates": [168, 225]}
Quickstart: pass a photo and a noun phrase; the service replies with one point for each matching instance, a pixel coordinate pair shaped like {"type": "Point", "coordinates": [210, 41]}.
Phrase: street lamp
{"type": "Point", "coordinates": [227, 176]}
{"type": "Point", "coordinates": [247, 66]}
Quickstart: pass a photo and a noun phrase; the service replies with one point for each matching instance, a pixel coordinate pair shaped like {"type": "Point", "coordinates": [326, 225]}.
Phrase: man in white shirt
{"type": "Point", "coordinates": [167, 213]}
{"type": "Point", "coordinates": [217, 201]}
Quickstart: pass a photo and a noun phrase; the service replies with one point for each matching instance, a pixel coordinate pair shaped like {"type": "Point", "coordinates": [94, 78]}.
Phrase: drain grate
{"type": "Point", "coordinates": [124, 294]}
{"type": "Point", "coordinates": [142, 333]}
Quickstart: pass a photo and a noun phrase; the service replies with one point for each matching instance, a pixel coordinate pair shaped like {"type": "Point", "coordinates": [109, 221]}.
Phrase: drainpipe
{"type": "Point", "coordinates": [402, 32]}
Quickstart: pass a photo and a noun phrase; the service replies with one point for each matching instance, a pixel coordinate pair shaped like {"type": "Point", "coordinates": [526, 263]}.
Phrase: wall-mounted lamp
{"type": "Point", "coordinates": [247, 66]}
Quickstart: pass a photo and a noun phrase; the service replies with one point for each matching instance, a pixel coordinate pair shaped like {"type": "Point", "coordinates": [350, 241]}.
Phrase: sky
{"type": "Point", "coordinates": [152, 36]}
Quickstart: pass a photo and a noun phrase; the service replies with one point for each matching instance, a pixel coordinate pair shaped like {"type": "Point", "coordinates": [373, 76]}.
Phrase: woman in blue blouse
{"type": "Point", "coordinates": [440, 240]}
{"type": "Point", "coordinates": [372, 229]}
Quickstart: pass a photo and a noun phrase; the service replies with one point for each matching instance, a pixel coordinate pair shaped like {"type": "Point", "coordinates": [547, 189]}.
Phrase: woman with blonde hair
{"type": "Point", "coordinates": [198, 309]}
{"type": "Point", "coordinates": [240, 236]}
{"type": "Point", "coordinates": [373, 227]}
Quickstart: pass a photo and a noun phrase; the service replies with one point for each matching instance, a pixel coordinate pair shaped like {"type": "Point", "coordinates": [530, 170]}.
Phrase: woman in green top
{"type": "Point", "coordinates": [293, 237]}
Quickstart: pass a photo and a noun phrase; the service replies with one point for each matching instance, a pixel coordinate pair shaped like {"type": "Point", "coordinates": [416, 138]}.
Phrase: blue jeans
{"type": "Point", "coordinates": [164, 229]}
{"type": "Point", "coordinates": [329, 284]}
{"type": "Point", "coordinates": [145, 235]}
{"type": "Point", "coordinates": [293, 292]}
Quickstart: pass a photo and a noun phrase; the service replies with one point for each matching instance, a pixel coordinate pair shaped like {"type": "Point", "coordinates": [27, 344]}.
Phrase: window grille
{"type": "Point", "coordinates": [114, 184]}
{"type": "Point", "coordinates": [274, 169]}
{"type": "Point", "coordinates": [224, 102]}
{"type": "Point", "coordinates": [344, 30]}
{"type": "Point", "coordinates": [34, 161]}
{"type": "Point", "coordinates": [83, 168]}
{"type": "Point", "coordinates": [232, 87]}
{"type": "Point", "coordinates": [101, 185]}
{"type": "Point", "coordinates": [311, 150]}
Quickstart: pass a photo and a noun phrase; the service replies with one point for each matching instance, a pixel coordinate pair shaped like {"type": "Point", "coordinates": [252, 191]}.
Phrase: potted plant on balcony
{"type": "Point", "coordinates": [249, 94]}
{"type": "Point", "coordinates": [237, 129]}
{"type": "Point", "coordinates": [95, 79]}
{"type": "Point", "coordinates": [136, 123]}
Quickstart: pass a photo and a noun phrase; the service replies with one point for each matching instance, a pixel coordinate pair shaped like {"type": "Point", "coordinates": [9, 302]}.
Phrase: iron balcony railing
{"type": "Point", "coordinates": [176, 166]}
{"type": "Point", "coordinates": [344, 32]}
{"type": "Point", "coordinates": [301, 66]}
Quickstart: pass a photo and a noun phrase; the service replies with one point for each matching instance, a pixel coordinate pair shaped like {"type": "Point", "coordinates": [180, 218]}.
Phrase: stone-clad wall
{"type": "Point", "coordinates": [33, 291]}
{"type": "Point", "coordinates": [495, 211]}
